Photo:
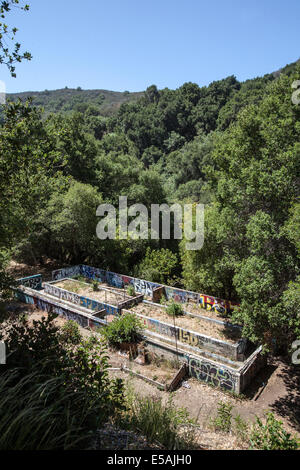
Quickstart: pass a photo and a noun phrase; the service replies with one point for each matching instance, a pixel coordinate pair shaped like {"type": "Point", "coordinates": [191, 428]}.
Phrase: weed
{"type": "Point", "coordinates": [70, 333]}
{"type": "Point", "coordinates": [131, 291]}
{"type": "Point", "coordinates": [159, 422]}
{"type": "Point", "coordinates": [222, 422]}
{"type": "Point", "coordinates": [271, 435]}
{"type": "Point", "coordinates": [174, 309]}
{"type": "Point", "coordinates": [241, 428]}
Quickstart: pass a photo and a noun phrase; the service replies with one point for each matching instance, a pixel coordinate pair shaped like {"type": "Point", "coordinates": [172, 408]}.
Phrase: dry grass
{"type": "Point", "coordinates": [185, 321]}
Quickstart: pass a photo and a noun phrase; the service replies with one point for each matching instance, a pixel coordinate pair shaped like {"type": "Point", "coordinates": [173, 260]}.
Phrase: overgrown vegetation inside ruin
{"type": "Point", "coordinates": [125, 329]}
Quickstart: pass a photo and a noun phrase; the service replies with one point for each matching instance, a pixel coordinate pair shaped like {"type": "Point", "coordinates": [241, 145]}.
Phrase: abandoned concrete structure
{"type": "Point", "coordinates": [211, 349]}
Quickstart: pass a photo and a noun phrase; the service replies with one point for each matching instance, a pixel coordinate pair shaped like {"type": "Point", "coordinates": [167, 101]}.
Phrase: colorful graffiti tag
{"type": "Point", "coordinates": [80, 300]}
{"type": "Point", "coordinates": [212, 374]}
{"type": "Point", "coordinates": [34, 282]}
{"type": "Point", "coordinates": [51, 307]}
{"type": "Point", "coordinates": [146, 287]}
{"type": "Point", "coordinates": [66, 272]}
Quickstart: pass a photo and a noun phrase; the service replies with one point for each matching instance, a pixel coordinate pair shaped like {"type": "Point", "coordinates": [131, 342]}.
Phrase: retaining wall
{"type": "Point", "coordinates": [200, 367]}
{"type": "Point", "coordinates": [235, 351]}
{"type": "Point", "coordinates": [85, 320]}
{"type": "Point", "coordinates": [146, 287]}
{"type": "Point", "coordinates": [74, 298]}
{"type": "Point", "coordinates": [34, 282]}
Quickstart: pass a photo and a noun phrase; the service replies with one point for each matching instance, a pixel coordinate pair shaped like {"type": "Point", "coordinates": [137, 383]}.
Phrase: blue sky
{"type": "Point", "coordinates": [131, 44]}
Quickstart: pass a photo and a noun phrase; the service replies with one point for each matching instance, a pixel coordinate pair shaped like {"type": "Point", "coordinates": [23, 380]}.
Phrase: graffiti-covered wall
{"type": "Point", "coordinates": [214, 374]}
{"type": "Point", "coordinates": [49, 306]}
{"type": "Point", "coordinates": [85, 302]}
{"type": "Point", "coordinates": [193, 339]}
{"type": "Point", "coordinates": [200, 368]}
{"type": "Point", "coordinates": [34, 282]}
{"type": "Point", "coordinates": [146, 287]}
{"type": "Point", "coordinates": [66, 272]}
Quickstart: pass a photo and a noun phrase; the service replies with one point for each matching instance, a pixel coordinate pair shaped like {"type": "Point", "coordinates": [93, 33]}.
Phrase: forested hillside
{"type": "Point", "coordinates": [233, 146]}
{"type": "Point", "coordinates": [66, 100]}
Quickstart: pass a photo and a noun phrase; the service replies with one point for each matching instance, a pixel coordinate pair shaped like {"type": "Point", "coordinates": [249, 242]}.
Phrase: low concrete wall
{"type": "Point", "coordinates": [85, 320]}
{"type": "Point", "coordinates": [146, 287]}
{"type": "Point", "coordinates": [91, 304]}
{"type": "Point", "coordinates": [34, 282]}
{"type": "Point", "coordinates": [210, 371]}
{"type": "Point", "coordinates": [131, 302]}
{"type": "Point", "coordinates": [200, 367]}
{"type": "Point", "coordinates": [252, 366]}
{"type": "Point", "coordinates": [234, 351]}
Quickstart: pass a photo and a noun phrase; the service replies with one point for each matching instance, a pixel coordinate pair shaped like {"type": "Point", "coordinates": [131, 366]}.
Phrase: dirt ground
{"type": "Point", "coordinates": [19, 270]}
{"type": "Point", "coordinates": [110, 296]}
{"type": "Point", "coordinates": [185, 321]}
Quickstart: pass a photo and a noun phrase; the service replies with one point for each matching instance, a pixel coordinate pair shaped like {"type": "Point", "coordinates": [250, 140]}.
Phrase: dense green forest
{"type": "Point", "coordinates": [66, 100]}
{"type": "Point", "coordinates": [233, 146]}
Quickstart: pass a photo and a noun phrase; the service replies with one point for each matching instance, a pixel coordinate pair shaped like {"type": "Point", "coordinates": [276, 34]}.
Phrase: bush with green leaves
{"type": "Point", "coordinates": [271, 435]}
{"type": "Point", "coordinates": [163, 300]}
{"type": "Point", "coordinates": [158, 266]}
{"type": "Point", "coordinates": [222, 422]}
{"type": "Point", "coordinates": [241, 428]}
{"type": "Point", "coordinates": [95, 285]}
{"type": "Point", "coordinates": [126, 328]}
{"type": "Point", "coordinates": [70, 333]}
{"type": "Point", "coordinates": [53, 395]}
{"type": "Point", "coordinates": [174, 309]}
{"type": "Point", "coordinates": [131, 291]}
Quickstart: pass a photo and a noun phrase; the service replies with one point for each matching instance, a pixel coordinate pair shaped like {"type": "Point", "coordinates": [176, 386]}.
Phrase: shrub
{"type": "Point", "coordinates": [53, 396]}
{"type": "Point", "coordinates": [70, 333]}
{"type": "Point", "coordinates": [95, 285]}
{"type": "Point", "coordinates": [241, 428]}
{"type": "Point", "coordinates": [222, 422]}
{"type": "Point", "coordinates": [131, 291]}
{"type": "Point", "coordinates": [80, 278]}
{"type": "Point", "coordinates": [271, 435]}
{"type": "Point", "coordinates": [174, 309]}
{"type": "Point", "coordinates": [124, 329]}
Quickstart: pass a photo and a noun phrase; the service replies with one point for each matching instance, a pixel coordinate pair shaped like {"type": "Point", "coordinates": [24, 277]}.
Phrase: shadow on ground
{"type": "Point", "coordinates": [260, 380]}
{"type": "Point", "coordinates": [288, 406]}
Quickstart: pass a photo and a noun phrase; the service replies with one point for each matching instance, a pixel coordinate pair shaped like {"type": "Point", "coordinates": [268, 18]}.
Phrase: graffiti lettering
{"type": "Point", "coordinates": [209, 373]}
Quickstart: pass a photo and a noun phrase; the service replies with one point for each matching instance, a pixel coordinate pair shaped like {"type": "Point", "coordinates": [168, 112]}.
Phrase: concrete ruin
{"type": "Point", "coordinates": [228, 364]}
